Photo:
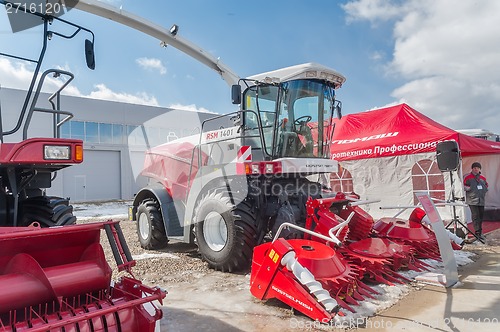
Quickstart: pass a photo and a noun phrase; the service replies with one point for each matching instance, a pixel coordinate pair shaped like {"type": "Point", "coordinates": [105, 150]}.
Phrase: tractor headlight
{"type": "Point", "coordinates": [56, 152]}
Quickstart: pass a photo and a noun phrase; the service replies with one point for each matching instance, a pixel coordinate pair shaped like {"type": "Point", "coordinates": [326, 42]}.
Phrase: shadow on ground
{"type": "Point", "coordinates": [183, 320]}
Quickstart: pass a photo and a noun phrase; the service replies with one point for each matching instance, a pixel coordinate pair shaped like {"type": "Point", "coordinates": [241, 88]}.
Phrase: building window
{"type": "Point", "coordinates": [65, 131]}
{"type": "Point", "coordinates": [426, 177]}
{"type": "Point", "coordinates": [77, 130]}
{"type": "Point", "coordinates": [342, 181]}
{"type": "Point", "coordinates": [118, 136]}
{"type": "Point", "coordinates": [92, 132]}
{"type": "Point", "coordinates": [106, 133]}
{"type": "Point", "coordinates": [153, 136]}
{"type": "Point", "coordinates": [133, 133]}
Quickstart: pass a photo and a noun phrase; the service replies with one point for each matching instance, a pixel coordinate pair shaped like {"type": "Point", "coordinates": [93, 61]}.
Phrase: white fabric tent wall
{"type": "Point", "coordinates": [389, 179]}
{"type": "Point", "coordinates": [491, 170]}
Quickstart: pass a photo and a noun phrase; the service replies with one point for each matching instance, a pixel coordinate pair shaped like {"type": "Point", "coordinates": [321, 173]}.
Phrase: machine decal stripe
{"type": "Point", "coordinates": [245, 154]}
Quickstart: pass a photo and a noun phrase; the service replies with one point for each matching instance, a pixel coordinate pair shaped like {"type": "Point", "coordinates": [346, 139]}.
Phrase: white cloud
{"type": "Point", "coordinates": [377, 56]}
{"type": "Point", "coordinates": [105, 93]}
{"type": "Point", "coordinates": [152, 65]}
{"type": "Point", "coordinates": [191, 108]}
{"type": "Point", "coordinates": [448, 52]}
{"type": "Point", "coordinates": [17, 75]}
{"type": "Point", "coordinates": [371, 10]}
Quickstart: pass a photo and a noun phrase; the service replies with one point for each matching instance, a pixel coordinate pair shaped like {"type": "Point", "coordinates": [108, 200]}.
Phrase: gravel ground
{"type": "Point", "coordinates": [198, 298]}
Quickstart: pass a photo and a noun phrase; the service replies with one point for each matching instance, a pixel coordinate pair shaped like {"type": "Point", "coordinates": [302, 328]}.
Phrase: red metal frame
{"type": "Point", "coordinates": [30, 151]}
{"type": "Point", "coordinates": [55, 278]}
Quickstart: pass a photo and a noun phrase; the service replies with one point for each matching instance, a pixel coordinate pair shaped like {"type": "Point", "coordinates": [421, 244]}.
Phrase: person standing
{"type": "Point", "coordinates": [476, 186]}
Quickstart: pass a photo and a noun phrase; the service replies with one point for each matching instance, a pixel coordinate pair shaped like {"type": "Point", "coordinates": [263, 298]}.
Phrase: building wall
{"type": "Point", "coordinates": [115, 137]}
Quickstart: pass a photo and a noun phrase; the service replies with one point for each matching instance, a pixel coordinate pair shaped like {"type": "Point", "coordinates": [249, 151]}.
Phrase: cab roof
{"type": "Point", "coordinates": [303, 71]}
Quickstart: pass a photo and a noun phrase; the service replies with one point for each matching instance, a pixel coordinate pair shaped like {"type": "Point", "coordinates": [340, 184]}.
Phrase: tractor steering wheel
{"type": "Point", "coordinates": [307, 118]}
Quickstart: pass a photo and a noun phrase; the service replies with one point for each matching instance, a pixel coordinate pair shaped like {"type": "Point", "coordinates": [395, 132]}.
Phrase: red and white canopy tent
{"type": "Point", "coordinates": [390, 153]}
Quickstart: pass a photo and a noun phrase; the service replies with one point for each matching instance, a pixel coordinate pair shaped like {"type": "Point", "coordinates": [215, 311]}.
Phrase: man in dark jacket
{"type": "Point", "coordinates": [475, 186]}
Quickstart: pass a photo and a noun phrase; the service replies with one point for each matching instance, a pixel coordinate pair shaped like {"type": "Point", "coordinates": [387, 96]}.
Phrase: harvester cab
{"type": "Point", "coordinates": [28, 165]}
{"type": "Point", "coordinates": [287, 113]}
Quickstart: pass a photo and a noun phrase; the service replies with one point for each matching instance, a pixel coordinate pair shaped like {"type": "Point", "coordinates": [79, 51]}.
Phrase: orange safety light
{"type": "Point", "coordinates": [79, 153]}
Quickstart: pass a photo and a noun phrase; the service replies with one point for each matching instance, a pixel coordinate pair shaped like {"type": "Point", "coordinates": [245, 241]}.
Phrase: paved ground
{"type": "Point", "coordinates": [473, 305]}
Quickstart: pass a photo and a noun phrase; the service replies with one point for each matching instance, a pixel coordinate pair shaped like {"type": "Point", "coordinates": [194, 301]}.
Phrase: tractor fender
{"type": "Point", "coordinates": [170, 211]}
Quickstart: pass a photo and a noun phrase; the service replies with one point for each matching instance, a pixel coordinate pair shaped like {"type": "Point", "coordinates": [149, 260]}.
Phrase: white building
{"type": "Point", "coordinates": [481, 133]}
{"type": "Point", "coordinates": [115, 137]}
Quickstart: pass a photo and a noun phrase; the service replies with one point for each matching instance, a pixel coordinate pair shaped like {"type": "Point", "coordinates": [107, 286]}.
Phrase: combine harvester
{"type": "Point", "coordinates": [56, 278]}
{"type": "Point", "coordinates": [251, 184]}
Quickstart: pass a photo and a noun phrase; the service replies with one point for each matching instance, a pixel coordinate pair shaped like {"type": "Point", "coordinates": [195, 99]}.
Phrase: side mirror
{"type": "Point", "coordinates": [338, 109]}
{"type": "Point", "coordinates": [89, 54]}
{"type": "Point", "coordinates": [236, 94]}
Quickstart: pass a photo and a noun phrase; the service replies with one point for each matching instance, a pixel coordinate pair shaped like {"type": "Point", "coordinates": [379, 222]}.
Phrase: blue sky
{"type": "Point", "coordinates": [439, 56]}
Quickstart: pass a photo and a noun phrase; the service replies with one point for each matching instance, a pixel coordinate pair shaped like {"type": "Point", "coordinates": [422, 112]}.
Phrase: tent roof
{"type": "Point", "coordinates": [398, 130]}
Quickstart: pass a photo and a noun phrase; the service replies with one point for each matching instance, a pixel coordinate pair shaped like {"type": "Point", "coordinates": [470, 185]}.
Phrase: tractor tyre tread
{"type": "Point", "coordinates": [49, 211]}
{"type": "Point", "coordinates": [157, 238]}
{"type": "Point", "coordinates": [238, 255]}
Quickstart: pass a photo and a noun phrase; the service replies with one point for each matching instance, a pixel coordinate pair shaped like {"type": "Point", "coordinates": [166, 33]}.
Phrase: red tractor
{"type": "Point", "coordinates": [232, 186]}
{"type": "Point", "coordinates": [58, 278]}
{"type": "Point", "coordinates": [29, 165]}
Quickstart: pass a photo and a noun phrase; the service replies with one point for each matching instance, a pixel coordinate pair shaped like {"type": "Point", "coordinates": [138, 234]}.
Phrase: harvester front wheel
{"type": "Point", "coordinates": [48, 211]}
{"type": "Point", "coordinates": [225, 232]}
{"type": "Point", "coordinates": [150, 227]}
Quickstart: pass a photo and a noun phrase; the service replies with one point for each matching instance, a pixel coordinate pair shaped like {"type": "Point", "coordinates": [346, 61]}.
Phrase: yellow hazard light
{"type": "Point", "coordinates": [79, 153]}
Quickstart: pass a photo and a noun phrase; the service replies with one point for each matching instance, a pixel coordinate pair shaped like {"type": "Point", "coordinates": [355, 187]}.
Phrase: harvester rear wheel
{"type": "Point", "coordinates": [150, 227]}
{"type": "Point", "coordinates": [225, 233]}
{"type": "Point", "coordinates": [47, 210]}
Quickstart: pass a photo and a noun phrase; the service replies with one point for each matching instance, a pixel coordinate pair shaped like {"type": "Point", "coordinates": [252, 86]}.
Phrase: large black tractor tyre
{"type": "Point", "coordinates": [48, 211]}
{"type": "Point", "coordinates": [150, 227]}
{"type": "Point", "coordinates": [225, 233]}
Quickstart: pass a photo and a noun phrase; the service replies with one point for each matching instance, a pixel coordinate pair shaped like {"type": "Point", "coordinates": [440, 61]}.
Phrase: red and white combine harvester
{"type": "Point", "coordinates": [55, 278]}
